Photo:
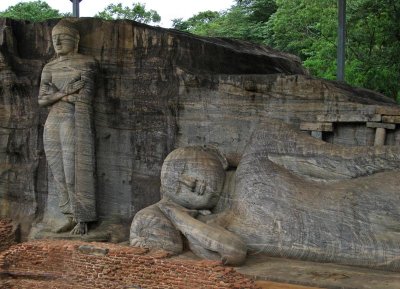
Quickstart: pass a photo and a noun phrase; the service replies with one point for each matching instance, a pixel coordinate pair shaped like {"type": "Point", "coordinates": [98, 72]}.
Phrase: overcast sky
{"type": "Point", "coordinates": [168, 9]}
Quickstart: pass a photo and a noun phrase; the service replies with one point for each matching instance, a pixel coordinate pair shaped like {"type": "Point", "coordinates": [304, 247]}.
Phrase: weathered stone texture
{"type": "Point", "coordinates": [300, 197]}
{"type": "Point", "coordinates": [157, 90]}
{"type": "Point", "coordinates": [137, 106]}
{"type": "Point", "coordinates": [19, 140]}
{"type": "Point", "coordinates": [192, 179]}
{"type": "Point", "coordinates": [227, 113]}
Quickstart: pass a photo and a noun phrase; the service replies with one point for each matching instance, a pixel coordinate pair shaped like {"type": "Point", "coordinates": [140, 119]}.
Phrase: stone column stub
{"type": "Point", "coordinates": [380, 132]}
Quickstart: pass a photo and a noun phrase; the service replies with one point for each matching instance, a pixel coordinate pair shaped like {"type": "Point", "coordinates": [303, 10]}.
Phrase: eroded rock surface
{"type": "Point", "coordinates": [138, 103]}
{"type": "Point", "coordinates": [160, 89]}
{"type": "Point", "coordinates": [299, 197]}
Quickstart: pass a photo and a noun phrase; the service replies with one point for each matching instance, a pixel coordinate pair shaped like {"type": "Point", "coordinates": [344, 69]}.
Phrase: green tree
{"type": "Point", "coordinates": [374, 45]}
{"type": "Point", "coordinates": [197, 22]}
{"type": "Point", "coordinates": [137, 13]}
{"type": "Point", "coordinates": [32, 11]}
{"type": "Point", "coordinates": [257, 10]}
{"type": "Point", "coordinates": [373, 39]}
{"type": "Point", "coordinates": [245, 20]}
{"type": "Point", "coordinates": [299, 27]}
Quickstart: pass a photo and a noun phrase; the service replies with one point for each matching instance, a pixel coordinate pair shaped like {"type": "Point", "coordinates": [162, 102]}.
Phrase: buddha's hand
{"type": "Point", "coordinates": [73, 86]}
{"type": "Point", "coordinates": [48, 88]}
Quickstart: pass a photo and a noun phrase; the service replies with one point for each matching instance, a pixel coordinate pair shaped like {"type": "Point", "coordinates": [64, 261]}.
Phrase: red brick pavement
{"type": "Point", "coordinates": [75, 264]}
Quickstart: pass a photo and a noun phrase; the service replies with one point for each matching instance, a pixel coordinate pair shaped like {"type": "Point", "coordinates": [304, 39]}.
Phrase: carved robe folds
{"type": "Point", "coordinates": [69, 136]}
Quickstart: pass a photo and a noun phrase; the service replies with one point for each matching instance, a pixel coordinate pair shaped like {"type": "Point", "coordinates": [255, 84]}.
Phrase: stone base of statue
{"type": "Point", "coordinates": [109, 230]}
{"type": "Point", "coordinates": [37, 234]}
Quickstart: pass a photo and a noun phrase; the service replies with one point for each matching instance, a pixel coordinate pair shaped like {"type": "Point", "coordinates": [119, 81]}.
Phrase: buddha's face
{"type": "Point", "coordinates": [194, 182]}
{"type": "Point", "coordinates": [64, 44]}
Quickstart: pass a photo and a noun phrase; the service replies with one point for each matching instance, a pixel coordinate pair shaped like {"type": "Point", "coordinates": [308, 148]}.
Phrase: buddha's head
{"type": "Point", "coordinates": [193, 177]}
{"type": "Point", "coordinates": [65, 38]}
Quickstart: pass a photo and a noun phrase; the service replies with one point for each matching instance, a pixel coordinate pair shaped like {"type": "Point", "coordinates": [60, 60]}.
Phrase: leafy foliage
{"type": "Point", "coordinates": [137, 13]}
{"type": "Point", "coordinates": [197, 22]}
{"type": "Point", "coordinates": [373, 39]}
{"type": "Point", "coordinates": [374, 45]}
{"type": "Point", "coordinates": [245, 20]}
{"type": "Point", "coordinates": [33, 11]}
{"type": "Point", "coordinates": [299, 27]}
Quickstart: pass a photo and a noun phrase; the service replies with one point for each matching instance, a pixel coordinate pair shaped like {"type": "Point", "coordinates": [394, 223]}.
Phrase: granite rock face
{"type": "Point", "coordinates": [160, 89]}
{"type": "Point", "coordinates": [303, 198]}
{"type": "Point", "coordinates": [138, 103]}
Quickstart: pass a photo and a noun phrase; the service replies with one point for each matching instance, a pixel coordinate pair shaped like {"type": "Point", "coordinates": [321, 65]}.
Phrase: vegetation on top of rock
{"type": "Point", "coordinates": [137, 13]}
{"type": "Point", "coordinates": [308, 28]}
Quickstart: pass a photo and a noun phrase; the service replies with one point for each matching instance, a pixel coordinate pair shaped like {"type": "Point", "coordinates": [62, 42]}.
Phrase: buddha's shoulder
{"type": "Point", "coordinates": [83, 58]}
{"type": "Point", "coordinates": [76, 59]}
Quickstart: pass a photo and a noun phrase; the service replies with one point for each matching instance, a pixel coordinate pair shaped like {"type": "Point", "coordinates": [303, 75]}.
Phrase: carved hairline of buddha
{"type": "Point", "coordinates": [64, 27]}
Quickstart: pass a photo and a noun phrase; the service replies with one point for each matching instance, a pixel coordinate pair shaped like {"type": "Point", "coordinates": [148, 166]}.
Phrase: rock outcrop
{"type": "Point", "coordinates": [138, 105]}
{"type": "Point", "coordinates": [303, 198]}
{"type": "Point", "coordinates": [157, 90]}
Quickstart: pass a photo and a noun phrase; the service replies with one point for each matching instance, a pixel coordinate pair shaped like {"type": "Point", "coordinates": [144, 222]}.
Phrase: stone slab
{"type": "Point", "coordinates": [381, 125]}
{"type": "Point", "coordinates": [316, 126]}
{"type": "Point", "coordinates": [348, 117]}
{"type": "Point", "coordinates": [391, 118]}
{"type": "Point", "coordinates": [320, 275]}
{"type": "Point", "coordinates": [93, 250]}
{"type": "Point", "coordinates": [387, 110]}
{"type": "Point", "coordinates": [91, 237]}
{"type": "Point", "coordinates": [275, 285]}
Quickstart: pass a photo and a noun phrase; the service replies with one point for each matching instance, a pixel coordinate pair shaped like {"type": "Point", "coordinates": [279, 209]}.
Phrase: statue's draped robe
{"type": "Point", "coordinates": [69, 137]}
{"type": "Point", "coordinates": [345, 211]}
